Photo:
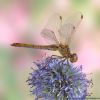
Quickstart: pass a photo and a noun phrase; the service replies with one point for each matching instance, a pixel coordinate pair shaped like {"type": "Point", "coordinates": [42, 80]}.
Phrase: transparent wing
{"type": "Point", "coordinates": [75, 19]}
{"type": "Point", "coordinates": [50, 32]}
{"type": "Point", "coordinates": [49, 36]}
{"type": "Point", "coordinates": [66, 32]}
{"type": "Point", "coordinates": [68, 28]}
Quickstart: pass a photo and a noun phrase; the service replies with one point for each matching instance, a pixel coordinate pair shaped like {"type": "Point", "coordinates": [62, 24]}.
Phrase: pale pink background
{"type": "Point", "coordinates": [20, 23]}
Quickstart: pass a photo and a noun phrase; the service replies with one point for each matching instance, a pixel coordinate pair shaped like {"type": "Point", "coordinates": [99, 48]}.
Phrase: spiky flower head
{"type": "Point", "coordinates": [57, 79]}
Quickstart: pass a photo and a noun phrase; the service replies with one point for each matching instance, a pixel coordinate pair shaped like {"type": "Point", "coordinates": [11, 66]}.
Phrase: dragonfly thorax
{"type": "Point", "coordinates": [64, 50]}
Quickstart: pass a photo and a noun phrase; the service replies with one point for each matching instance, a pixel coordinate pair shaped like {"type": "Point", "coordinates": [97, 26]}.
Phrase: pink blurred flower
{"type": "Point", "coordinates": [13, 21]}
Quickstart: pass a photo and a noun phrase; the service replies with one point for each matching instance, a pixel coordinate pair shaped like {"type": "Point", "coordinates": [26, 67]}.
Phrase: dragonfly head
{"type": "Point", "coordinates": [73, 57]}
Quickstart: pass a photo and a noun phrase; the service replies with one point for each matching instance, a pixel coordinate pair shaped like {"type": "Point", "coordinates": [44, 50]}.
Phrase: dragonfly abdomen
{"type": "Point", "coordinates": [45, 47]}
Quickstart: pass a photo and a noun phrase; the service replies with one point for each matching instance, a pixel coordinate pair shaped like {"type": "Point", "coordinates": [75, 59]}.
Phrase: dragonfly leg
{"type": "Point", "coordinates": [56, 56]}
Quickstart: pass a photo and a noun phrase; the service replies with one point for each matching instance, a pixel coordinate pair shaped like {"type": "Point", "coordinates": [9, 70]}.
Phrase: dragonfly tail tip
{"type": "Point", "coordinates": [13, 44]}
{"type": "Point", "coordinates": [81, 16]}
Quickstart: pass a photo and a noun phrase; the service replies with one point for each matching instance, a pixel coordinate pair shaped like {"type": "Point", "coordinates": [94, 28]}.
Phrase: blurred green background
{"type": "Point", "coordinates": [23, 20]}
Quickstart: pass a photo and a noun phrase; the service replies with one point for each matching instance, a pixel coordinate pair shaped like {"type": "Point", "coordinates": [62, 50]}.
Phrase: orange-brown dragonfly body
{"type": "Point", "coordinates": [68, 28]}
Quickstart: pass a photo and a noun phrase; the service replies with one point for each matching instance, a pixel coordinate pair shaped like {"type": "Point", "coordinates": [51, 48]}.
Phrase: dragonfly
{"type": "Point", "coordinates": [59, 33]}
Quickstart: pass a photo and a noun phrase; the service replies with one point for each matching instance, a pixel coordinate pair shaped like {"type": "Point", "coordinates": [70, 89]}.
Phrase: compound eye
{"type": "Point", "coordinates": [73, 58]}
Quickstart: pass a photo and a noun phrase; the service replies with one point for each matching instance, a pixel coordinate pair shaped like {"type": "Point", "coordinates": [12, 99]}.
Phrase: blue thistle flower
{"type": "Point", "coordinates": [58, 79]}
